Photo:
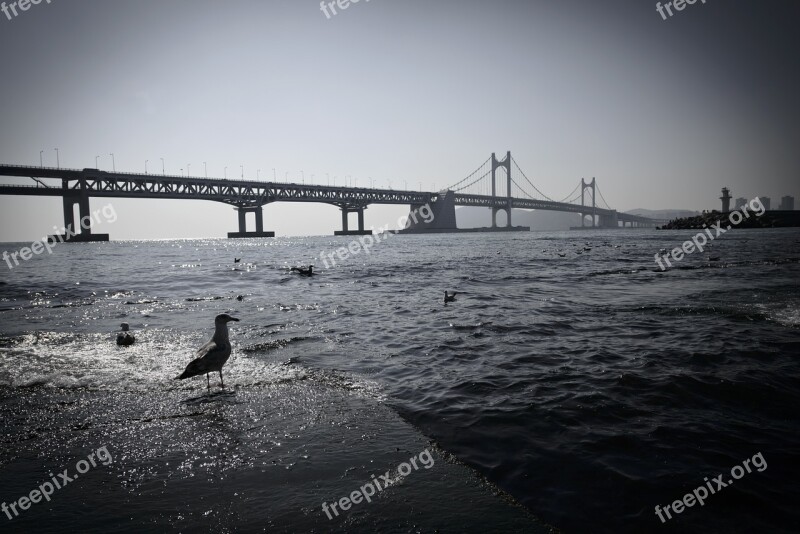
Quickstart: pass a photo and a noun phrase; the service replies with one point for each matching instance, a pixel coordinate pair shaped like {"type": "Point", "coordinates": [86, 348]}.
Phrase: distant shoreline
{"type": "Point", "coordinates": [770, 219]}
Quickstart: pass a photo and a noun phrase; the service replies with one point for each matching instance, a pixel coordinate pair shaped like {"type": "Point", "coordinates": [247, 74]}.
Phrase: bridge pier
{"type": "Point", "coordinates": [345, 224]}
{"type": "Point", "coordinates": [610, 221]}
{"type": "Point", "coordinates": [243, 233]}
{"type": "Point", "coordinates": [494, 216]}
{"type": "Point", "coordinates": [80, 232]}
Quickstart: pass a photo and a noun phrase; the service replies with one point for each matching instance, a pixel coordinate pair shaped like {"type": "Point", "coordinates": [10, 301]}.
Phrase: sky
{"type": "Point", "coordinates": [406, 93]}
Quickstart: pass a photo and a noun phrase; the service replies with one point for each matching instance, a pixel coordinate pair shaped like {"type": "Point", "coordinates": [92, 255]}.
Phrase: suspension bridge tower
{"type": "Point", "coordinates": [584, 186]}
{"type": "Point", "coordinates": [505, 164]}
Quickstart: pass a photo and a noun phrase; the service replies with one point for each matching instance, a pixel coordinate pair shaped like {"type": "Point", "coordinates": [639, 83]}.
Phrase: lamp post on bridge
{"type": "Point", "coordinates": [58, 161]}
{"type": "Point", "coordinates": [188, 165]}
{"type": "Point", "coordinates": [242, 166]}
{"type": "Point", "coordinates": [145, 165]}
{"type": "Point", "coordinates": [41, 158]}
{"type": "Point", "coordinates": [113, 163]}
{"type": "Point", "coordinates": [226, 173]}
{"type": "Point", "coordinates": [96, 158]}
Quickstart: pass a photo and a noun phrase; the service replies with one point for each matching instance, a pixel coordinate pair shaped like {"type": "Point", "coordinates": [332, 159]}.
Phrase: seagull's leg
{"type": "Point", "coordinates": [208, 382]}
{"type": "Point", "coordinates": [220, 379]}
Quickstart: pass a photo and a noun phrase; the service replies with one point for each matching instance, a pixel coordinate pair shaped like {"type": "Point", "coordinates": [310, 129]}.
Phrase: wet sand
{"type": "Point", "coordinates": [247, 459]}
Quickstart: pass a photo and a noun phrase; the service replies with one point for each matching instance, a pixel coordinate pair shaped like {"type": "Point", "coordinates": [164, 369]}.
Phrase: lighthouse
{"type": "Point", "coordinates": [726, 200]}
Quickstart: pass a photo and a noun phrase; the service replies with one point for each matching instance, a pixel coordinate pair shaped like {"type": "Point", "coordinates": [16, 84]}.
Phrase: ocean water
{"type": "Point", "coordinates": [572, 383]}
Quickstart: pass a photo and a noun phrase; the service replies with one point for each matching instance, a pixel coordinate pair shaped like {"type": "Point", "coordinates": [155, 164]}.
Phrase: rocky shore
{"type": "Point", "coordinates": [770, 219]}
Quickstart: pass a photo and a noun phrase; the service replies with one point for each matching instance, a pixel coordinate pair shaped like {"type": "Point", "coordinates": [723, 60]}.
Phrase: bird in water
{"type": "Point", "coordinates": [125, 338]}
{"type": "Point", "coordinates": [449, 298]}
{"type": "Point", "coordinates": [237, 260]}
{"type": "Point", "coordinates": [213, 355]}
{"type": "Point", "coordinates": [302, 271]}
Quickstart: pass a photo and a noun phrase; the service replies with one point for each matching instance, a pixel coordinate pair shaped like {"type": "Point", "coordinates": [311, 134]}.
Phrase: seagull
{"type": "Point", "coordinates": [213, 355]}
{"type": "Point", "coordinates": [304, 272]}
{"type": "Point", "coordinates": [125, 338]}
{"type": "Point", "coordinates": [449, 298]}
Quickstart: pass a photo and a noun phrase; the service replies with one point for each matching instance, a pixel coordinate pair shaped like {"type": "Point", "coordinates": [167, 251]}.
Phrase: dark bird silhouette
{"type": "Point", "coordinates": [213, 355]}
{"type": "Point", "coordinates": [449, 298]}
{"type": "Point", "coordinates": [237, 260]}
{"type": "Point", "coordinates": [125, 338]}
{"type": "Point", "coordinates": [304, 272]}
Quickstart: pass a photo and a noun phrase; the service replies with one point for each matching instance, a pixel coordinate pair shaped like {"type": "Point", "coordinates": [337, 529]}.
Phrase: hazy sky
{"type": "Point", "coordinates": [663, 113]}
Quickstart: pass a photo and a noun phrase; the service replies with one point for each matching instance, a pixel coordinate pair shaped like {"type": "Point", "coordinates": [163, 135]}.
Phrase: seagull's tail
{"type": "Point", "coordinates": [194, 368]}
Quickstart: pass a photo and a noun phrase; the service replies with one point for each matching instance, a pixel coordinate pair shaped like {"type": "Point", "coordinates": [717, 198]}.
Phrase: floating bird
{"type": "Point", "coordinates": [240, 298]}
{"type": "Point", "coordinates": [304, 272]}
{"type": "Point", "coordinates": [562, 254]}
{"type": "Point", "coordinates": [449, 298]}
{"type": "Point", "coordinates": [213, 355]}
{"type": "Point", "coordinates": [125, 338]}
{"type": "Point", "coordinates": [237, 260]}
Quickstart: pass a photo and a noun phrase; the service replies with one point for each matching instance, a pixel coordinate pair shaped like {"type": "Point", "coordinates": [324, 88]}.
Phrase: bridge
{"type": "Point", "coordinates": [482, 188]}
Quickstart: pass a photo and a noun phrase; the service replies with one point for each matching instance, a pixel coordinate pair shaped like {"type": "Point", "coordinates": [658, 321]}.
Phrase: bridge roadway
{"type": "Point", "coordinates": [77, 186]}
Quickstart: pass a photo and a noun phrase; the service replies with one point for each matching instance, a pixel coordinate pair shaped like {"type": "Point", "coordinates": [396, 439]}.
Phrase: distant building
{"type": "Point", "coordinates": [766, 202]}
{"type": "Point", "coordinates": [740, 202]}
{"type": "Point", "coordinates": [726, 200]}
{"type": "Point", "coordinates": [787, 203]}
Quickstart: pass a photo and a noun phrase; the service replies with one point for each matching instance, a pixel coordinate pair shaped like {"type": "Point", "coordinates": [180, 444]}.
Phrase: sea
{"type": "Point", "coordinates": [572, 386]}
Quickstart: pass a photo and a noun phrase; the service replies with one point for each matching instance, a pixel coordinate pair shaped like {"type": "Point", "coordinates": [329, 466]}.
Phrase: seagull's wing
{"type": "Point", "coordinates": [206, 349]}
{"type": "Point", "coordinates": [205, 361]}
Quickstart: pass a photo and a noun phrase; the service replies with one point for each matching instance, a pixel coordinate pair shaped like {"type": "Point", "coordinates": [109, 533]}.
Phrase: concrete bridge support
{"type": "Point", "coordinates": [506, 165]}
{"type": "Point", "coordinates": [495, 211]}
{"type": "Point", "coordinates": [584, 186]}
{"type": "Point", "coordinates": [242, 212]}
{"type": "Point", "coordinates": [609, 221]}
{"type": "Point", "coordinates": [346, 211]}
{"type": "Point", "coordinates": [79, 231]}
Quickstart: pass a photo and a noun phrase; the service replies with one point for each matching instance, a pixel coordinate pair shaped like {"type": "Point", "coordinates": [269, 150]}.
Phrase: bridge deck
{"type": "Point", "coordinates": [97, 183]}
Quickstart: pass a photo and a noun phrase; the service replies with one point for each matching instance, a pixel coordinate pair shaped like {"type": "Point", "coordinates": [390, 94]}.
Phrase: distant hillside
{"type": "Point", "coordinates": [664, 214]}
{"type": "Point", "coordinates": [550, 221]}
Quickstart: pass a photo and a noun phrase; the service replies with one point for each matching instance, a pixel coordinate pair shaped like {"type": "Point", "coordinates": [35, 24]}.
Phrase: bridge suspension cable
{"type": "Point", "coordinates": [531, 183]}
{"type": "Point", "coordinates": [455, 187]}
{"type": "Point", "coordinates": [487, 173]}
{"type": "Point", "coordinates": [568, 199]}
{"type": "Point", "coordinates": [603, 198]}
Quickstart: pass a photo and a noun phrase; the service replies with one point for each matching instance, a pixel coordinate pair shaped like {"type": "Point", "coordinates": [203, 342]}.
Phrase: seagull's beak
{"type": "Point", "coordinates": [234, 319]}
